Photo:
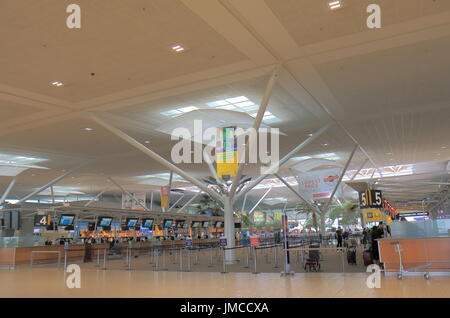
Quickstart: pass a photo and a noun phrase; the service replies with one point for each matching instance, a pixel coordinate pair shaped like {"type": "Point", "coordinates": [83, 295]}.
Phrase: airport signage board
{"type": "Point", "coordinates": [320, 184]}
{"type": "Point", "coordinates": [223, 241]}
{"type": "Point", "coordinates": [371, 199]}
{"type": "Point", "coordinates": [42, 220]}
{"type": "Point", "coordinates": [188, 242]}
{"type": "Point", "coordinates": [254, 240]}
{"type": "Point", "coordinates": [226, 152]}
{"type": "Point", "coordinates": [130, 204]}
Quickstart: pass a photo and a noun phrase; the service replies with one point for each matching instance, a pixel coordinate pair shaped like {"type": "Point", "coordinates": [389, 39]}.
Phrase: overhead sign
{"type": "Point", "coordinates": [320, 184]}
{"type": "Point", "coordinates": [164, 197]}
{"type": "Point", "coordinates": [42, 220]}
{"type": "Point", "coordinates": [226, 152]}
{"type": "Point", "coordinates": [223, 241]}
{"type": "Point", "coordinates": [129, 204]}
{"type": "Point", "coordinates": [370, 199]}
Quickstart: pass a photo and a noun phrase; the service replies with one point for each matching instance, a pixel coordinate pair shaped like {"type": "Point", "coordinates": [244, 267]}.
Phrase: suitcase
{"type": "Point", "coordinates": [367, 258]}
{"type": "Point", "coordinates": [351, 256]}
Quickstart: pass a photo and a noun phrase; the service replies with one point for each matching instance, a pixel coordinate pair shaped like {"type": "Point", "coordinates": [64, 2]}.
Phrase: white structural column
{"type": "Point", "coordinates": [230, 255]}
{"type": "Point", "coordinates": [8, 190]}
{"type": "Point", "coordinates": [133, 142]}
{"type": "Point", "coordinates": [51, 183]}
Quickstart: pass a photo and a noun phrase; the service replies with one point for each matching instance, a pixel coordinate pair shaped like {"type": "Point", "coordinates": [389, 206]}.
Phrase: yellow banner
{"type": "Point", "coordinates": [164, 197]}
{"type": "Point", "coordinates": [226, 152]}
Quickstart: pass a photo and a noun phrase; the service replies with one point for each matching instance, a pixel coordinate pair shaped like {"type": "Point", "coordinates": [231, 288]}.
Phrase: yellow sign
{"type": "Point", "coordinates": [375, 215]}
{"type": "Point", "coordinates": [164, 197]}
{"type": "Point", "coordinates": [226, 152]}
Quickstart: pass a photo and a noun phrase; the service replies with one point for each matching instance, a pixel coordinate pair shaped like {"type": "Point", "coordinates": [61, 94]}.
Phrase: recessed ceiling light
{"type": "Point", "coordinates": [389, 153]}
{"type": "Point", "coordinates": [337, 4]}
{"type": "Point", "coordinates": [88, 129]}
{"type": "Point", "coordinates": [178, 48]}
{"type": "Point", "coordinates": [147, 141]}
{"type": "Point", "coordinates": [57, 84]}
{"type": "Point", "coordinates": [443, 147]}
{"type": "Point", "coordinates": [325, 145]}
{"type": "Point", "coordinates": [310, 135]}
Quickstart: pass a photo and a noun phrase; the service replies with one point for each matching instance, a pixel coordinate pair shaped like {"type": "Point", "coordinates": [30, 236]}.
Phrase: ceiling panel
{"type": "Point", "coordinates": [125, 43]}
{"type": "Point", "coordinates": [311, 22]}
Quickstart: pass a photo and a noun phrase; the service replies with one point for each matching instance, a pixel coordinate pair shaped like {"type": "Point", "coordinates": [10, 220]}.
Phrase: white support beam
{"type": "Point", "coordinates": [250, 142]}
{"type": "Point", "coordinates": [176, 202]}
{"type": "Point", "coordinates": [8, 190]}
{"type": "Point", "coordinates": [51, 183]}
{"type": "Point", "coordinates": [189, 202]}
{"type": "Point", "coordinates": [96, 198]}
{"type": "Point", "coordinates": [128, 194]}
{"type": "Point", "coordinates": [150, 153]}
{"type": "Point", "coordinates": [359, 169]}
{"type": "Point", "coordinates": [259, 201]}
{"type": "Point", "coordinates": [274, 168]}
{"type": "Point", "coordinates": [243, 203]}
{"type": "Point", "coordinates": [340, 178]}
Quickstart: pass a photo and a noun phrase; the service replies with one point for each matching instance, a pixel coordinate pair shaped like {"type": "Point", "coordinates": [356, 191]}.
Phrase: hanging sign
{"type": "Point", "coordinates": [129, 203]}
{"type": "Point", "coordinates": [370, 199]}
{"type": "Point", "coordinates": [223, 241]}
{"type": "Point", "coordinates": [164, 197]}
{"type": "Point", "coordinates": [318, 184]}
{"type": "Point", "coordinates": [254, 240]}
{"type": "Point", "coordinates": [226, 152]}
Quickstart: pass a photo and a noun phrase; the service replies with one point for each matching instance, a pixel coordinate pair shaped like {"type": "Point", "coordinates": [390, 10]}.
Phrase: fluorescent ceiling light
{"type": "Point", "coordinates": [217, 103]}
{"type": "Point", "coordinates": [178, 48]}
{"type": "Point", "coordinates": [57, 84]}
{"type": "Point", "coordinates": [187, 109]}
{"type": "Point", "coordinates": [227, 107]}
{"type": "Point", "coordinates": [335, 4]}
{"type": "Point", "coordinates": [238, 99]}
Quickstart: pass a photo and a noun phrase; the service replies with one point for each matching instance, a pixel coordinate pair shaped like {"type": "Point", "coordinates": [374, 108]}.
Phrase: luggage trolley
{"type": "Point", "coordinates": [399, 249]}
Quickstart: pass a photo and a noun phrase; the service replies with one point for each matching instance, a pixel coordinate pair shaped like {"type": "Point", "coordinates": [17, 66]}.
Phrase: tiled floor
{"type": "Point", "coordinates": [51, 282]}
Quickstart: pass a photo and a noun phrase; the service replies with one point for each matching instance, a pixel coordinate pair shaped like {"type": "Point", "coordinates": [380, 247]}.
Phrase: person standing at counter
{"type": "Point", "coordinates": [338, 236]}
{"type": "Point", "coordinates": [377, 233]}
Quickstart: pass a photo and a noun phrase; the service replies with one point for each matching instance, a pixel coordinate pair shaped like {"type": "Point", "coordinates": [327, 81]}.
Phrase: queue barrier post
{"type": "Point", "coordinates": [254, 260]}
{"type": "Point", "coordinates": [275, 256]}
{"type": "Point", "coordinates": [98, 258]}
{"type": "Point", "coordinates": [224, 269]}
{"type": "Point", "coordinates": [104, 259]}
{"type": "Point", "coordinates": [181, 259]}
{"type": "Point", "coordinates": [247, 256]}
{"type": "Point", "coordinates": [210, 257]}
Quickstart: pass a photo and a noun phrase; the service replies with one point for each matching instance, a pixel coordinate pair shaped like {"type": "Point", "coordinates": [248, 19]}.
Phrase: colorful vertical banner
{"type": "Point", "coordinates": [226, 152]}
{"type": "Point", "coordinates": [164, 197]}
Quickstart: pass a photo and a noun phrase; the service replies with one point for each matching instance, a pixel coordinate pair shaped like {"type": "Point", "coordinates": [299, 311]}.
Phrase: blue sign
{"type": "Point", "coordinates": [188, 242]}
{"type": "Point", "coordinates": [223, 241]}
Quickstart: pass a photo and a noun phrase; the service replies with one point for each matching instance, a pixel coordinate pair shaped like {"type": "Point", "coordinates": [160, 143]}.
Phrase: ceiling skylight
{"type": "Point", "coordinates": [21, 160]}
{"type": "Point", "coordinates": [239, 104]}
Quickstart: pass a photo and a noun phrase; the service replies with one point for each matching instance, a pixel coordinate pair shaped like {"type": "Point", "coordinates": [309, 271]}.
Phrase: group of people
{"type": "Point", "coordinates": [369, 239]}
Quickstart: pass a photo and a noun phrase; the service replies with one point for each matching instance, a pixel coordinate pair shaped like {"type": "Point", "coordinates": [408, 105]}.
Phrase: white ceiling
{"type": "Point", "coordinates": [386, 89]}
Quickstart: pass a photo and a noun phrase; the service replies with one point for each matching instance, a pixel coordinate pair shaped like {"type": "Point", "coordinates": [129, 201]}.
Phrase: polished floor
{"type": "Point", "coordinates": [51, 282]}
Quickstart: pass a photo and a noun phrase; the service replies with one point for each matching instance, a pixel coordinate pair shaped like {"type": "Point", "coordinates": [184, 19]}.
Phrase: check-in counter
{"type": "Point", "coordinates": [428, 254]}
{"type": "Point", "coordinates": [17, 256]}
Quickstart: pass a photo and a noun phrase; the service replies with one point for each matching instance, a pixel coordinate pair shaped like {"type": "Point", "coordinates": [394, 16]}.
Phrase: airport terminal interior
{"type": "Point", "coordinates": [225, 148]}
